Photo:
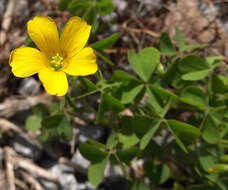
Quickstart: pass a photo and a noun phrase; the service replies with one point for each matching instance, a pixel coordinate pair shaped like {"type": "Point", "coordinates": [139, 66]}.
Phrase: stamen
{"type": "Point", "coordinates": [57, 62]}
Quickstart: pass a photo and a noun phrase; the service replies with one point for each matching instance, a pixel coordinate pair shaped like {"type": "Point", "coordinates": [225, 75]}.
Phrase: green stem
{"type": "Point", "coordinates": [204, 120]}
{"type": "Point", "coordinates": [123, 167]}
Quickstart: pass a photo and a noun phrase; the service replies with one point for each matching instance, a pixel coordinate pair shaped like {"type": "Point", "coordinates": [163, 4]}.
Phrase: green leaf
{"type": "Point", "coordinates": [197, 75]}
{"type": "Point", "coordinates": [111, 142]}
{"type": "Point", "coordinates": [184, 131]}
{"type": "Point", "coordinates": [108, 103]}
{"type": "Point", "coordinates": [63, 4]}
{"type": "Point", "coordinates": [136, 128]}
{"type": "Point", "coordinates": [139, 185]}
{"type": "Point", "coordinates": [57, 126]}
{"type": "Point", "coordinates": [192, 63]}
{"type": "Point", "coordinates": [170, 74]}
{"type": "Point", "coordinates": [92, 153]}
{"type": "Point", "coordinates": [129, 96]}
{"type": "Point", "coordinates": [206, 161]}
{"type": "Point", "coordinates": [105, 7]}
{"type": "Point", "coordinates": [140, 124]}
{"type": "Point", "coordinates": [53, 121]}
{"type": "Point", "coordinates": [145, 63]}
{"type": "Point", "coordinates": [28, 42]}
{"type": "Point", "coordinates": [202, 187]}
{"type": "Point", "coordinates": [217, 109]}
{"type": "Point", "coordinates": [65, 129]}
{"type": "Point", "coordinates": [127, 136]}
{"type": "Point", "coordinates": [180, 39]}
{"type": "Point", "coordinates": [54, 108]}
{"type": "Point", "coordinates": [219, 83]}
{"type": "Point", "coordinates": [194, 96]}
{"type": "Point", "coordinates": [194, 47]}
{"type": "Point", "coordinates": [128, 154]}
{"type": "Point", "coordinates": [112, 103]}
{"type": "Point", "coordinates": [157, 173]}
{"type": "Point", "coordinates": [78, 7]}
{"type": "Point", "coordinates": [179, 142]}
{"type": "Point", "coordinates": [40, 110]}
{"type": "Point", "coordinates": [96, 171]}
{"type": "Point", "coordinates": [166, 45]}
{"type": "Point", "coordinates": [214, 61]}
{"type": "Point", "coordinates": [147, 137]}
{"type": "Point", "coordinates": [62, 104]}
{"type": "Point", "coordinates": [106, 43]}
{"type": "Point", "coordinates": [163, 93]}
{"type": "Point", "coordinates": [130, 88]}
{"type": "Point", "coordinates": [33, 123]}
{"type": "Point", "coordinates": [159, 98]}
{"type": "Point", "coordinates": [97, 144]}
{"type": "Point", "coordinates": [101, 110]}
{"type": "Point", "coordinates": [181, 42]}
{"type": "Point", "coordinates": [104, 57]}
{"type": "Point", "coordinates": [210, 131]}
{"type": "Point", "coordinates": [89, 15]}
{"type": "Point", "coordinates": [90, 86]}
{"type": "Point", "coordinates": [122, 76]}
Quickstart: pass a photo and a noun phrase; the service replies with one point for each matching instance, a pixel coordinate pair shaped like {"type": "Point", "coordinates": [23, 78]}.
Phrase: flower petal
{"type": "Point", "coordinates": [55, 82]}
{"type": "Point", "coordinates": [26, 61]}
{"type": "Point", "coordinates": [83, 63]}
{"type": "Point", "coordinates": [43, 31]}
{"type": "Point", "coordinates": [74, 36]}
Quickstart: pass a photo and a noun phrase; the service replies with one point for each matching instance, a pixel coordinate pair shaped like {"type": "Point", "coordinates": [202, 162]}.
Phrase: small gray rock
{"type": "Point", "coordinates": [121, 5]}
{"type": "Point", "coordinates": [112, 171]}
{"type": "Point", "coordinates": [29, 86]}
{"type": "Point", "coordinates": [66, 176]}
{"type": "Point", "coordinates": [152, 4]}
{"type": "Point", "coordinates": [78, 159]}
{"type": "Point", "coordinates": [83, 133]}
{"type": "Point", "coordinates": [115, 28]}
{"type": "Point", "coordinates": [108, 18]}
{"type": "Point", "coordinates": [2, 7]}
{"type": "Point", "coordinates": [26, 147]}
{"type": "Point", "coordinates": [206, 10]}
{"type": "Point", "coordinates": [22, 10]}
{"type": "Point", "coordinates": [86, 186]}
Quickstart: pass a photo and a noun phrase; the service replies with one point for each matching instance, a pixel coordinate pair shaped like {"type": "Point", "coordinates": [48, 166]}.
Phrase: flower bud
{"type": "Point", "coordinates": [224, 158]}
{"type": "Point", "coordinates": [219, 168]}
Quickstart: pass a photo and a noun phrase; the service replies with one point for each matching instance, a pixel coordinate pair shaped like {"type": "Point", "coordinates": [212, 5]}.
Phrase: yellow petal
{"type": "Point", "coordinates": [26, 61]}
{"type": "Point", "coordinates": [43, 31]}
{"type": "Point", "coordinates": [83, 63]}
{"type": "Point", "coordinates": [55, 82]}
{"type": "Point", "coordinates": [74, 36]}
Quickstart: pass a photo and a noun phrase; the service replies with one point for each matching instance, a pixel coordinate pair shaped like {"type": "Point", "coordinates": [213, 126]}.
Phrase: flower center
{"type": "Point", "coordinates": [57, 62]}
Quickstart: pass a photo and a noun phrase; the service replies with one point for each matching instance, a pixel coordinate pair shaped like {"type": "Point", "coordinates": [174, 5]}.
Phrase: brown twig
{"type": "Point", "coordinates": [3, 182]}
{"type": "Point", "coordinates": [16, 104]}
{"type": "Point", "coordinates": [7, 19]}
{"type": "Point", "coordinates": [31, 180]}
{"type": "Point", "coordinates": [6, 125]}
{"type": "Point", "coordinates": [21, 184]}
{"type": "Point", "coordinates": [30, 167]}
{"type": "Point", "coordinates": [35, 170]}
{"type": "Point", "coordinates": [118, 50]}
{"type": "Point", "coordinates": [9, 169]}
{"type": "Point", "coordinates": [76, 167]}
{"type": "Point", "coordinates": [139, 30]}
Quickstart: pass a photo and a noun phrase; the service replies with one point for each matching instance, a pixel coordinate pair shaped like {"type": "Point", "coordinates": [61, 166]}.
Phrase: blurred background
{"type": "Point", "coordinates": [139, 24]}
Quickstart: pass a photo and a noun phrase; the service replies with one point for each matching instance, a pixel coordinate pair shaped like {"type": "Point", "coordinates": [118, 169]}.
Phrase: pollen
{"type": "Point", "coordinates": [57, 62]}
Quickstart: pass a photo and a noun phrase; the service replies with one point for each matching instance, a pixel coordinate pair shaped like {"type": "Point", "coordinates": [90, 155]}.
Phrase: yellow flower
{"type": "Point", "coordinates": [56, 56]}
